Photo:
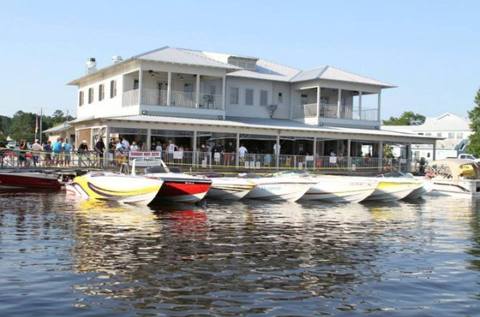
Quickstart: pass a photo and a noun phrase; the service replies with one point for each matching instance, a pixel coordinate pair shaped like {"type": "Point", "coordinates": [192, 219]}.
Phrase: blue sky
{"type": "Point", "coordinates": [430, 49]}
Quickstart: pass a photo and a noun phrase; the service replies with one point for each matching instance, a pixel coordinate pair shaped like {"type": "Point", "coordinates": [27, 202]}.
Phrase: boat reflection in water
{"type": "Point", "coordinates": [219, 251]}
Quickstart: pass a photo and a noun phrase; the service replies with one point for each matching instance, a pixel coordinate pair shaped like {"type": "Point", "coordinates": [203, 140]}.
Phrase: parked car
{"type": "Point", "coordinates": [470, 157]}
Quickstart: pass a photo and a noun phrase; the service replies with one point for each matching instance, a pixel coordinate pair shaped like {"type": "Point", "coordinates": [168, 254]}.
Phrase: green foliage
{"type": "Point", "coordinates": [22, 125]}
{"type": "Point", "coordinates": [474, 115]}
{"type": "Point", "coordinates": [407, 118]}
{"type": "Point", "coordinates": [387, 151]}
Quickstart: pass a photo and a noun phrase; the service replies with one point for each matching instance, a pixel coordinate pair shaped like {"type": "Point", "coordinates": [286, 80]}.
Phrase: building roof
{"type": "Point", "coordinates": [445, 122]}
{"type": "Point", "coordinates": [183, 56]}
{"type": "Point", "coordinates": [58, 128]}
{"type": "Point", "coordinates": [264, 69]}
{"type": "Point", "coordinates": [273, 124]}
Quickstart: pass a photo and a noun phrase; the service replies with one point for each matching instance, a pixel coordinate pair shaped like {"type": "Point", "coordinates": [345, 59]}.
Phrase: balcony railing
{"type": "Point", "coordinates": [157, 97]}
{"type": "Point", "coordinates": [308, 110]}
{"type": "Point", "coordinates": [154, 97]}
{"type": "Point", "coordinates": [130, 97]}
{"type": "Point", "coordinates": [328, 110]}
{"type": "Point", "coordinates": [210, 101]}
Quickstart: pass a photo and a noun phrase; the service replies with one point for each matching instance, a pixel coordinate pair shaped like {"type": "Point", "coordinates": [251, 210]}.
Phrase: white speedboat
{"type": "Point", "coordinates": [454, 177]}
{"type": "Point", "coordinates": [230, 188]}
{"type": "Point", "coordinates": [341, 189]}
{"type": "Point", "coordinates": [394, 188]}
{"type": "Point", "coordinates": [285, 187]}
{"type": "Point", "coordinates": [116, 187]}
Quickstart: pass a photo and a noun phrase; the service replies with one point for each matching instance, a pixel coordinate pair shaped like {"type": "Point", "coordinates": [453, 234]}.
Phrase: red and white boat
{"type": "Point", "coordinates": [179, 187]}
{"type": "Point", "coordinates": [29, 180]}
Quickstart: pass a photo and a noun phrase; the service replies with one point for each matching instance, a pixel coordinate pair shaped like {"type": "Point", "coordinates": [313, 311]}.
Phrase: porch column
{"type": "Point", "coordinates": [339, 102]}
{"type": "Point", "coordinates": [277, 155]}
{"type": "Point", "coordinates": [107, 142]}
{"type": "Point", "coordinates": [380, 156]}
{"type": "Point", "coordinates": [140, 85]}
{"type": "Point", "coordinates": [318, 104]}
{"type": "Point", "coordinates": [149, 139]}
{"type": "Point", "coordinates": [359, 105]}
{"type": "Point", "coordinates": [194, 147]}
{"type": "Point", "coordinates": [434, 153]}
{"type": "Point", "coordinates": [197, 95]}
{"type": "Point", "coordinates": [224, 93]}
{"type": "Point", "coordinates": [349, 155]}
{"type": "Point", "coordinates": [169, 89]}
{"type": "Point", "coordinates": [314, 152]}
{"type": "Point", "coordinates": [379, 103]}
{"type": "Point", "coordinates": [237, 159]}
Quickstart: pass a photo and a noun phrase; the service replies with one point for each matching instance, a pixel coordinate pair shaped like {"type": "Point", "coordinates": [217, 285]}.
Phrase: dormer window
{"type": "Point", "coordinates": [248, 63]}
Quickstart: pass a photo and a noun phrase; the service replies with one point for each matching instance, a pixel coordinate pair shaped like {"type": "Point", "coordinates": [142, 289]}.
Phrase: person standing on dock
{"type": "Point", "coordinates": [171, 149]}
{"type": "Point", "coordinates": [242, 151]}
{"type": "Point", "coordinates": [67, 152]}
{"type": "Point", "coordinates": [36, 148]}
{"type": "Point", "coordinates": [82, 152]}
{"type": "Point", "coordinates": [100, 149]}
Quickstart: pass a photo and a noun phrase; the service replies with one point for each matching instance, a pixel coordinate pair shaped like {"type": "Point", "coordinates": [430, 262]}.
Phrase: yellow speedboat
{"type": "Point", "coordinates": [394, 188]}
{"type": "Point", "coordinates": [116, 187]}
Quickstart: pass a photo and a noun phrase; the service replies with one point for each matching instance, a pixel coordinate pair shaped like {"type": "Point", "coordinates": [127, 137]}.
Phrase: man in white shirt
{"type": "Point", "coordinates": [242, 150]}
{"type": "Point", "coordinates": [276, 149]}
{"type": "Point", "coordinates": [126, 144]}
{"type": "Point", "coordinates": [170, 149]}
{"type": "Point", "coordinates": [36, 148]}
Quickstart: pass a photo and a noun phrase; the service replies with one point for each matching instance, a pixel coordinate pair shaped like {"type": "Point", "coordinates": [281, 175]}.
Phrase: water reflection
{"type": "Point", "coordinates": [242, 258]}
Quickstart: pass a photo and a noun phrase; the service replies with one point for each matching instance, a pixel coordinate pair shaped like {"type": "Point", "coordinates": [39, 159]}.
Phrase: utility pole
{"type": "Point", "coordinates": [40, 128]}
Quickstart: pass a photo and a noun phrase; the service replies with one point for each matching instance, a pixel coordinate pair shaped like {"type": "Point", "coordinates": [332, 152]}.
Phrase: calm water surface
{"type": "Point", "coordinates": [62, 257]}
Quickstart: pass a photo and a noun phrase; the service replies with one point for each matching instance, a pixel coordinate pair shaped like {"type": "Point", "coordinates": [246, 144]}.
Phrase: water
{"type": "Point", "coordinates": [62, 257]}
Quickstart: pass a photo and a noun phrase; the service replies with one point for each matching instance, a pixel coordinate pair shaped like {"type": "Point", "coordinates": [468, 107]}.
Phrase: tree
{"type": "Point", "coordinates": [474, 116]}
{"type": "Point", "coordinates": [407, 118]}
{"type": "Point", "coordinates": [4, 126]}
{"type": "Point", "coordinates": [22, 126]}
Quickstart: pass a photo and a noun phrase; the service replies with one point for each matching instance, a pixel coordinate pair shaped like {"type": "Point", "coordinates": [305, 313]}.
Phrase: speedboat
{"type": "Point", "coordinates": [29, 180]}
{"type": "Point", "coordinates": [179, 187]}
{"type": "Point", "coordinates": [454, 177]}
{"type": "Point", "coordinates": [341, 189]}
{"type": "Point", "coordinates": [116, 187]}
{"type": "Point", "coordinates": [230, 188]}
{"type": "Point", "coordinates": [284, 186]}
{"type": "Point", "coordinates": [394, 188]}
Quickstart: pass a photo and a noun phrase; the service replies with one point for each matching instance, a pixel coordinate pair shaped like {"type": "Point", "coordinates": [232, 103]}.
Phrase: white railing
{"type": "Point", "coordinates": [308, 110]}
{"type": "Point", "coordinates": [210, 101]}
{"type": "Point", "coordinates": [130, 97]}
{"type": "Point", "coordinates": [183, 99]}
{"type": "Point", "coordinates": [328, 110]}
{"type": "Point", "coordinates": [154, 97]}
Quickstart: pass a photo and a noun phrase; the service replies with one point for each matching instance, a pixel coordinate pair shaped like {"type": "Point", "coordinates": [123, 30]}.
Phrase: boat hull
{"type": "Point", "coordinates": [117, 187]}
{"type": "Point", "coordinates": [229, 188]}
{"type": "Point", "coordinates": [183, 190]}
{"type": "Point", "coordinates": [340, 190]}
{"type": "Point", "coordinates": [392, 190]}
{"type": "Point", "coordinates": [34, 181]}
{"type": "Point", "coordinates": [278, 189]}
{"type": "Point", "coordinates": [463, 188]}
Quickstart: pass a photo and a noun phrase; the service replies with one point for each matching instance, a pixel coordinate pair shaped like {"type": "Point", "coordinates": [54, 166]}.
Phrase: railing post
{"type": "Point", "coordinates": [379, 103]}
{"type": "Point", "coordinates": [360, 105]}
{"type": "Point", "coordinates": [197, 95]}
{"type": "Point", "coordinates": [237, 159]}
{"type": "Point", "coordinates": [169, 88]}
{"type": "Point", "coordinates": [349, 156]}
{"type": "Point", "coordinates": [380, 156]}
{"type": "Point", "coordinates": [339, 102]}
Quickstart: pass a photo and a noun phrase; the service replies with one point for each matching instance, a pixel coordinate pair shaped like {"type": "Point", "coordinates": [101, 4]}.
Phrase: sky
{"type": "Point", "coordinates": [429, 49]}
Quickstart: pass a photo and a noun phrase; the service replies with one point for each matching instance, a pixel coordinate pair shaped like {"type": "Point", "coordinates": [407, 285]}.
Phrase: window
{"type": "Point", "coordinates": [80, 98]}
{"type": "Point", "coordinates": [451, 135]}
{"type": "Point", "coordinates": [136, 83]}
{"type": "Point", "coordinates": [113, 88]}
{"type": "Point", "coordinates": [280, 97]}
{"type": "Point", "coordinates": [90, 95]}
{"type": "Point", "coordinates": [459, 135]}
{"type": "Point", "coordinates": [101, 92]}
{"type": "Point", "coordinates": [420, 133]}
{"type": "Point", "coordinates": [249, 97]}
{"type": "Point", "coordinates": [263, 97]}
{"type": "Point", "coordinates": [439, 134]}
{"type": "Point", "coordinates": [234, 96]}
{"type": "Point", "coordinates": [428, 134]}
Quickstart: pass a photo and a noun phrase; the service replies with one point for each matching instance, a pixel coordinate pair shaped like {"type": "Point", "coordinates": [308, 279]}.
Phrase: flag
{"type": "Point", "coordinates": [37, 125]}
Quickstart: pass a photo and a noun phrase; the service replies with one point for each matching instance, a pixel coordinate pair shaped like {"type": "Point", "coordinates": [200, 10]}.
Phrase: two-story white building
{"type": "Point", "coordinates": [194, 97]}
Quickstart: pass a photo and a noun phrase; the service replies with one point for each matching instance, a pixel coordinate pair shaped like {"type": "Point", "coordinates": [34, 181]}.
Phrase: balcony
{"type": "Point", "coordinates": [156, 97]}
